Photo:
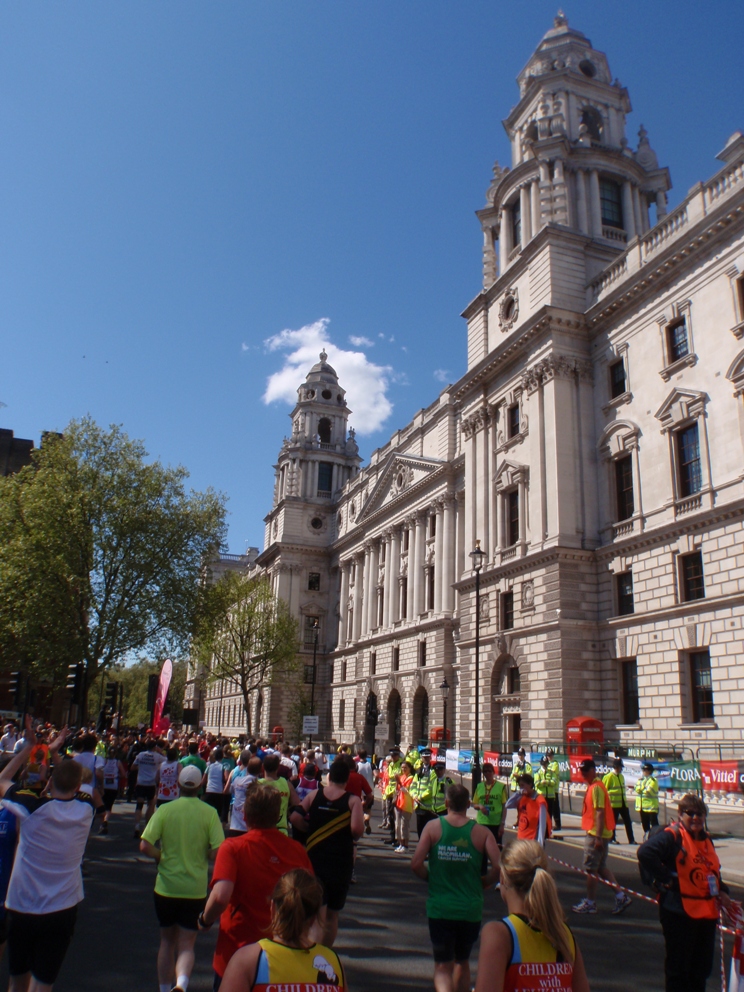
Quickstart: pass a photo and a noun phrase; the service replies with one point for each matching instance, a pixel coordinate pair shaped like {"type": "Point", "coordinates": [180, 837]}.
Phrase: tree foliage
{"type": "Point", "coordinates": [135, 679]}
{"type": "Point", "coordinates": [250, 637]}
{"type": "Point", "coordinates": [101, 554]}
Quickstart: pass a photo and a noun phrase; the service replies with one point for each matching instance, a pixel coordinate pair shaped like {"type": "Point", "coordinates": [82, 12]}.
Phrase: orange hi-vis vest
{"type": "Point", "coordinates": [587, 813]}
{"type": "Point", "coordinates": [696, 860]}
{"type": "Point", "coordinates": [528, 817]}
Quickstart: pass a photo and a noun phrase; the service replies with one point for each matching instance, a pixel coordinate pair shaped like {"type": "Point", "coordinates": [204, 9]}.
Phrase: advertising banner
{"type": "Point", "coordinates": [492, 758]}
{"type": "Point", "coordinates": [684, 775]}
{"type": "Point", "coordinates": [160, 725]}
{"type": "Point", "coordinates": [721, 776]}
{"type": "Point", "coordinates": [451, 759]}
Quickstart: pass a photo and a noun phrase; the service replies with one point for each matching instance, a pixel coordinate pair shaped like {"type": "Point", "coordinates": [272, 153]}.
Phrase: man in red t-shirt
{"type": "Point", "coordinates": [245, 874]}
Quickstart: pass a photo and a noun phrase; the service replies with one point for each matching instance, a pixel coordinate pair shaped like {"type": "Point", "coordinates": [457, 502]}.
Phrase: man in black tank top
{"type": "Point", "coordinates": [333, 819]}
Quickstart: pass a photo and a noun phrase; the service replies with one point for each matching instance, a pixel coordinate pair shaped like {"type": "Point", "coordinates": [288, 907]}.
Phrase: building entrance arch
{"type": "Point", "coordinates": [394, 716]}
{"type": "Point", "coordinates": [370, 722]}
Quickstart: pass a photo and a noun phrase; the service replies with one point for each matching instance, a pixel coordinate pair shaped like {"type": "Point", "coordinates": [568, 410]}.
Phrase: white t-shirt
{"type": "Point", "coordinates": [168, 786]}
{"type": "Point", "coordinates": [8, 742]}
{"type": "Point", "coordinates": [88, 760]}
{"type": "Point", "coordinates": [46, 874]}
{"type": "Point", "coordinates": [111, 774]}
{"type": "Point", "coordinates": [147, 764]}
{"type": "Point", "coordinates": [365, 770]}
{"type": "Point", "coordinates": [238, 786]}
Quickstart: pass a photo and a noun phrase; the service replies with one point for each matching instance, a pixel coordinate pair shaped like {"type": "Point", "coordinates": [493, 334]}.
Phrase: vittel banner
{"type": "Point", "coordinates": [722, 776]}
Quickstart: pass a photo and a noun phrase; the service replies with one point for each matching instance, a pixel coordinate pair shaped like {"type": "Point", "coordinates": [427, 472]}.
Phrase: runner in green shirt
{"type": "Point", "coordinates": [276, 781]}
{"type": "Point", "coordinates": [189, 832]}
{"type": "Point", "coordinates": [455, 846]}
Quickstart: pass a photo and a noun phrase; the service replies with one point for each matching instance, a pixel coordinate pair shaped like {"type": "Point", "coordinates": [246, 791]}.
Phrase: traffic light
{"type": "Point", "coordinates": [75, 675]}
{"type": "Point", "coordinates": [112, 693]}
{"type": "Point", "coordinates": [16, 688]}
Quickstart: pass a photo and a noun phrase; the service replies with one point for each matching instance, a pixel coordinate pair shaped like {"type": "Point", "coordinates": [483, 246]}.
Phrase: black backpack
{"type": "Point", "coordinates": [646, 877]}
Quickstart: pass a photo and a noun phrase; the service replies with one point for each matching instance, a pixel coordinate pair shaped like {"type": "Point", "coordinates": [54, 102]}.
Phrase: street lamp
{"type": "Point", "coordinates": [444, 689]}
{"type": "Point", "coordinates": [315, 661]}
{"type": "Point", "coordinates": [477, 556]}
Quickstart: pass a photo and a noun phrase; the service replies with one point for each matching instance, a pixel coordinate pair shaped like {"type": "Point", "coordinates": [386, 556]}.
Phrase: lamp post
{"type": "Point", "coordinates": [312, 686]}
{"type": "Point", "coordinates": [444, 689]}
{"type": "Point", "coordinates": [477, 556]}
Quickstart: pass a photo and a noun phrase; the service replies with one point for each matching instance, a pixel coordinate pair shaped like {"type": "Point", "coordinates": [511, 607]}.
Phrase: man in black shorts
{"type": "Point", "coordinates": [45, 885]}
{"type": "Point", "coordinates": [148, 764]}
{"type": "Point", "coordinates": [333, 819]}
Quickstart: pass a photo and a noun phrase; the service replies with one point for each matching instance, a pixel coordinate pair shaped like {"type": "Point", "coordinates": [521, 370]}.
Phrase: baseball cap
{"type": "Point", "coordinates": [190, 777]}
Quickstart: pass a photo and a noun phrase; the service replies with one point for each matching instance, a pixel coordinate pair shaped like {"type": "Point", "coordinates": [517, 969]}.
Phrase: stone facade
{"type": "Point", "coordinates": [593, 446]}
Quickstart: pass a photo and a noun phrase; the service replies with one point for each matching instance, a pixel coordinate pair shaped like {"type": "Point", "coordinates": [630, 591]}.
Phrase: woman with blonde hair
{"type": "Point", "coordinates": [289, 958]}
{"type": "Point", "coordinates": [534, 933]}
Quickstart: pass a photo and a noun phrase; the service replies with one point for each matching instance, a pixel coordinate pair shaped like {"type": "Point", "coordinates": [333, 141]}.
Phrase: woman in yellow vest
{"type": "Point", "coordinates": [647, 798]}
{"type": "Point", "coordinates": [289, 958]}
{"type": "Point", "coordinates": [533, 947]}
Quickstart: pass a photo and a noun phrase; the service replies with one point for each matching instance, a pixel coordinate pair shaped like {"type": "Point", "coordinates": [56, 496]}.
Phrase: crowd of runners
{"type": "Point", "coordinates": [279, 825]}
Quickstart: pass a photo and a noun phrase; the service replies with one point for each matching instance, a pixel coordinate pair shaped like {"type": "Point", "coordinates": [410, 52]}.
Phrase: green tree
{"type": "Point", "coordinates": [134, 678]}
{"type": "Point", "coordinates": [101, 554]}
{"type": "Point", "coordinates": [249, 638]}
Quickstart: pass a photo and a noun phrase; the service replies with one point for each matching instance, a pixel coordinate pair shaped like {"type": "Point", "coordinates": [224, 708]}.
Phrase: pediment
{"type": "Point", "coordinates": [510, 474]}
{"type": "Point", "coordinates": [398, 477]}
{"type": "Point", "coordinates": [681, 405]}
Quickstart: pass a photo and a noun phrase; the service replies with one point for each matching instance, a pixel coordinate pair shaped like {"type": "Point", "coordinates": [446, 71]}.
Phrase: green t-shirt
{"type": "Point", "coordinates": [493, 798]}
{"type": "Point", "coordinates": [187, 830]}
{"type": "Point", "coordinates": [455, 889]}
{"type": "Point", "coordinates": [194, 759]}
{"type": "Point", "coordinates": [283, 786]}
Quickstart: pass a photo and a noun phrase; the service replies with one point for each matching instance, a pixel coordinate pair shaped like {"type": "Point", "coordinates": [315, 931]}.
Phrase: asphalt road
{"type": "Point", "coordinates": [383, 940]}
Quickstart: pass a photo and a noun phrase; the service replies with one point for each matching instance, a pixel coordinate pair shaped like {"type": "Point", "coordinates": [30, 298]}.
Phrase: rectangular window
{"type": "Point", "coordinates": [325, 478]}
{"type": "Point", "coordinates": [624, 487]}
{"type": "Point", "coordinates": [309, 674]}
{"type": "Point", "coordinates": [341, 714]}
{"type": "Point", "coordinates": [702, 686]}
{"type": "Point", "coordinates": [513, 681]}
{"type": "Point", "coordinates": [430, 589]}
{"type": "Point", "coordinates": [433, 525]}
{"type": "Point", "coordinates": [312, 627]}
{"type": "Point", "coordinates": [404, 597]}
{"type": "Point", "coordinates": [422, 654]}
{"type": "Point", "coordinates": [677, 342]}
{"type": "Point", "coordinates": [611, 202]}
{"type": "Point", "coordinates": [629, 676]}
{"type": "Point", "coordinates": [396, 659]}
{"type": "Point", "coordinates": [740, 296]}
{"type": "Point", "coordinates": [617, 378]}
{"type": "Point", "coordinates": [693, 581]}
{"type": "Point", "coordinates": [624, 589]}
{"type": "Point", "coordinates": [313, 581]}
{"type": "Point", "coordinates": [380, 606]}
{"type": "Point", "coordinates": [512, 517]}
{"type": "Point", "coordinates": [507, 610]}
{"type": "Point", "coordinates": [406, 533]}
{"type": "Point", "coordinates": [512, 421]}
{"type": "Point", "coordinates": [688, 459]}
{"type": "Point", "coordinates": [516, 212]}
{"type": "Point", "coordinates": [373, 663]}
{"type": "Point", "coordinates": [343, 671]}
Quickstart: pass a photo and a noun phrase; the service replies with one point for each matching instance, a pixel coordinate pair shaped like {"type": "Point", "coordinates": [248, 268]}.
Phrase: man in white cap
{"type": "Point", "coordinates": [189, 832]}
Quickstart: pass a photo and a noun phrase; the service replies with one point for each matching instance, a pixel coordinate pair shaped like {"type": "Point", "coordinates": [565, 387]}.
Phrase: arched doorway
{"type": "Point", "coordinates": [420, 716]}
{"type": "Point", "coordinates": [370, 722]}
{"type": "Point", "coordinates": [395, 714]}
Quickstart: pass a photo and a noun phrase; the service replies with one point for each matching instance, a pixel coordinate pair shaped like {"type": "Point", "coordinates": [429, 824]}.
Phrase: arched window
{"type": "Point", "coordinates": [395, 712]}
{"type": "Point", "coordinates": [421, 716]}
{"type": "Point", "coordinates": [324, 430]}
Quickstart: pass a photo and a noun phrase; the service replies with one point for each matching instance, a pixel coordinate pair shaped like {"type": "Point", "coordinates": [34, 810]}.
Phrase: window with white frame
{"type": "Point", "coordinates": [678, 348]}
{"type": "Point", "coordinates": [683, 420]}
{"type": "Point", "coordinates": [511, 487]}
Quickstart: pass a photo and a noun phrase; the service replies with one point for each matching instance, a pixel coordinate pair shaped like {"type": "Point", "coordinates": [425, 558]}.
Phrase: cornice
{"type": "Point", "coordinates": [518, 566]}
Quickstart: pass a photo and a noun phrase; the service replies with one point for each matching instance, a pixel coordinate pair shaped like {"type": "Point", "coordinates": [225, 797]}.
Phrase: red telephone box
{"type": "Point", "coordinates": [583, 731]}
{"type": "Point", "coordinates": [437, 735]}
{"type": "Point", "coordinates": [277, 734]}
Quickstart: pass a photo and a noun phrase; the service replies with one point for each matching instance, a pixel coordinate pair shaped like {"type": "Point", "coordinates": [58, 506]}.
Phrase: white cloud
{"type": "Point", "coordinates": [360, 342]}
{"type": "Point", "coordinates": [442, 375]}
{"type": "Point", "coordinates": [366, 384]}
{"type": "Point", "coordinates": [245, 347]}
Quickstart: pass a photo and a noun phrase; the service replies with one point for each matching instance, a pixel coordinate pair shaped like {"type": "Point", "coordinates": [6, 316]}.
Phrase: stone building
{"type": "Point", "coordinates": [594, 446]}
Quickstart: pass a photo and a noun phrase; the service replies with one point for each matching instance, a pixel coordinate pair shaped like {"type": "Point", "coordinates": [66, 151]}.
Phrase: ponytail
{"type": "Point", "coordinates": [295, 902]}
{"type": "Point", "coordinates": [524, 866]}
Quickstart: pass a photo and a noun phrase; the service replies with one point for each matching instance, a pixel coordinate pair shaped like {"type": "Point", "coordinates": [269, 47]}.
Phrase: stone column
{"type": "Point", "coordinates": [385, 543]}
{"type": "Point", "coordinates": [582, 212]}
{"type": "Point", "coordinates": [546, 195]}
{"type": "Point", "coordinates": [343, 602]}
{"type": "Point", "coordinates": [447, 567]}
{"type": "Point", "coordinates": [358, 590]}
{"type": "Point", "coordinates": [438, 557]}
{"type": "Point", "coordinates": [418, 565]}
{"type": "Point", "coordinates": [535, 206]}
{"type": "Point", "coordinates": [411, 569]}
{"type": "Point", "coordinates": [392, 571]}
{"type": "Point", "coordinates": [372, 593]}
{"type": "Point", "coordinates": [661, 204]}
{"type": "Point", "coordinates": [505, 238]}
{"type": "Point", "coordinates": [522, 513]}
{"type": "Point", "coordinates": [595, 204]}
{"type": "Point", "coordinates": [524, 205]}
{"type": "Point", "coordinates": [637, 210]}
{"type": "Point", "coordinates": [628, 210]}
{"type": "Point", "coordinates": [366, 589]}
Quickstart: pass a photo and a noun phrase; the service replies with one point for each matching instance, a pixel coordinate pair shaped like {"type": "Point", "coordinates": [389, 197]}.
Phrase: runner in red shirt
{"type": "Point", "coordinates": [245, 874]}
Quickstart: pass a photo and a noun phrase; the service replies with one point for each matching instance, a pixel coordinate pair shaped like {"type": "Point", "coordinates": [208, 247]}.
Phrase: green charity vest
{"type": "Point", "coordinates": [455, 890]}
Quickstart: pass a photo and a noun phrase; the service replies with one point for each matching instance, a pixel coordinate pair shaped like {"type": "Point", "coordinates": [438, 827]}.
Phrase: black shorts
{"type": "Point", "coordinates": [178, 912]}
{"type": "Point", "coordinates": [109, 797]}
{"type": "Point", "coordinates": [38, 942]}
{"type": "Point", "coordinates": [453, 939]}
{"type": "Point", "coordinates": [144, 794]}
{"type": "Point", "coordinates": [335, 891]}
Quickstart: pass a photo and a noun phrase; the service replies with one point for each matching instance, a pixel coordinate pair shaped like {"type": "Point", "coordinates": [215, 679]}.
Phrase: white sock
{"type": "Point", "coordinates": [165, 988]}
{"type": "Point", "coordinates": [182, 982]}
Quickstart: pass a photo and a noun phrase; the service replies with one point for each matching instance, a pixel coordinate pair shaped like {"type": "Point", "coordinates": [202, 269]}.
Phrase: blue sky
{"type": "Point", "coordinates": [182, 182]}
